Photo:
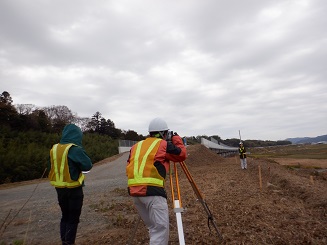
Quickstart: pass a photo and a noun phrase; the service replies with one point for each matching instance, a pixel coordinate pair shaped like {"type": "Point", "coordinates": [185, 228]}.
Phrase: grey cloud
{"type": "Point", "coordinates": [208, 67]}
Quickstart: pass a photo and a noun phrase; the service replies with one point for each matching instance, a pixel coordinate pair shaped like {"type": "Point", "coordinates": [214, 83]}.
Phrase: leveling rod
{"type": "Point", "coordinates": [177, 204]}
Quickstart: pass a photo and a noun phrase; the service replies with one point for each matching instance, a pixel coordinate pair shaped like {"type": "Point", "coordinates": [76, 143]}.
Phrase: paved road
{"type": "Point", "coordinates": [36, 212]}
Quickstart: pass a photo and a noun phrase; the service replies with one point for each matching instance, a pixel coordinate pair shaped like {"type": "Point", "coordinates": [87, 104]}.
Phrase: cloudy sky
{"type": "Point", "coordinates": [208, 67]}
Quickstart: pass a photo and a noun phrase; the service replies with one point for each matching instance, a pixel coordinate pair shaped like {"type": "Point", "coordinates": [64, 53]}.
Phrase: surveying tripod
{"type": "Point", "coordinates": [177, 203]}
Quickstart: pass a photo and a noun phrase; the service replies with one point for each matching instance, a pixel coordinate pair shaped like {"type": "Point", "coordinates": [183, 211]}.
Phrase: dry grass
{"type": "Point", "coordinates": [288, 209]}
{"type": "Point", "coordinates": [291, 151]}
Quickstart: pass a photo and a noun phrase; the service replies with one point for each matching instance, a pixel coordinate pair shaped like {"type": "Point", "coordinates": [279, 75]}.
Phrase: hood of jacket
{"type": "Point", "coordinates": [71, 134]}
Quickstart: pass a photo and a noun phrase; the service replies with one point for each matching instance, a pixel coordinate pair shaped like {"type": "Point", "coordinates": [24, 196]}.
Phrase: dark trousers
{"type": "Point", "coordinates": [71, 202]}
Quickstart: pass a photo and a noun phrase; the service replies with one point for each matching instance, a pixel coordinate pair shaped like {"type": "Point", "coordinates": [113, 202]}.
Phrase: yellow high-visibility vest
{"type": "Point", "coordinates": [59, 175]}
{"type": "Point", "coordinates": [141, 169]}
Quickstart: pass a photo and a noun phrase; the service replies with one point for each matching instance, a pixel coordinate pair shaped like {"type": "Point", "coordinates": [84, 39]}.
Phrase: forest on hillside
{"type": "Point", "coordinates": [27, 133]}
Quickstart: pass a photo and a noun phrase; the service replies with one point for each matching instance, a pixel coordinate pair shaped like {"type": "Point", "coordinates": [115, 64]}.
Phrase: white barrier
{"type": "Point", "coordinates": [122, 149]}
{"type": "Point", "coordinates": [210, 144]}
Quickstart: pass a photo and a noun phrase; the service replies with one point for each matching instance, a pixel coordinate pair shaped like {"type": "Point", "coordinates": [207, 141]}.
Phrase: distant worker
{"type": "Point", "coordinates": [185, 141]}
{"type": "Point", "coordinates": [242, 153]}
{"type": "Point", "coordinates": [147, 166]}
{"type": "Point", "coordinates": [67, 161]}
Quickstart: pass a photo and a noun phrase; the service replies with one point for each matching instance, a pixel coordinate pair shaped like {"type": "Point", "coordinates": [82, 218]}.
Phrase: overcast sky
{"type": "Point", "coordinates": [208, 67]}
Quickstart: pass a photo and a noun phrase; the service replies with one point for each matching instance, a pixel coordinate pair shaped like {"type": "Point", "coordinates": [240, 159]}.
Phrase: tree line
{"type": "Point", "coordinates": [27, 133]}
{"type": "Point", "coordinates": [52, 119]}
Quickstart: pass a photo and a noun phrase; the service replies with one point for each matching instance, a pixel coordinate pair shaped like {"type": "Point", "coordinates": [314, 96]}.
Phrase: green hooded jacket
{"type": "Point", "coordinates": [78, 160]}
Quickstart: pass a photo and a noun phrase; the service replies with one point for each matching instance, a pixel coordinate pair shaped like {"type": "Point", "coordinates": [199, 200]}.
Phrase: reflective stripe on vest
{"type": "Point", "coordinates": [138, 170]}
{"type": "Point", "coordinates": [60, 177]}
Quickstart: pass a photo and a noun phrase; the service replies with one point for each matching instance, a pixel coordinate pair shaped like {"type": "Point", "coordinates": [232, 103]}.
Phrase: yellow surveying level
{"type": "Point", "coordinates": [177, 203]}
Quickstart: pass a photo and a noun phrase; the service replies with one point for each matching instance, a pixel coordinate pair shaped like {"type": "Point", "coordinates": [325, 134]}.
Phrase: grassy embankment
{"type": "Point", "coordinates": [298, 156]}
{"type": "Point", "coordinates": [291, 151]}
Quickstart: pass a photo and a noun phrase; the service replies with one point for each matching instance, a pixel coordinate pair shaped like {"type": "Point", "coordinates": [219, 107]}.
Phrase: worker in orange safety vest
{"type": "Point", "coordinates": [147, 166]}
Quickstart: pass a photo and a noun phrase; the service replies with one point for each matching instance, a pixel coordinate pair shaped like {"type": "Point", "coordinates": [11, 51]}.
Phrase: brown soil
{"type": "Point", "coordinates": [288, 206]}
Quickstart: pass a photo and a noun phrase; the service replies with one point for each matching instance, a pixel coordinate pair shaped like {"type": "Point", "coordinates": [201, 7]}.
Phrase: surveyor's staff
{"type": "Point", "coordinates": [201, 199]}
{"type": "Point", "coordinates": [178, 209]}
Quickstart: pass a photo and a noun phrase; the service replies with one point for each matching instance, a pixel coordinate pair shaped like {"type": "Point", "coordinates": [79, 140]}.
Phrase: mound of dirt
{"type": "Point", "coordinates": [200, 155]}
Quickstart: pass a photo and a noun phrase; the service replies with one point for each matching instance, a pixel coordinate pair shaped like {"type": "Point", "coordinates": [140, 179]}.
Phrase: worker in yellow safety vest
{"type": "Point", "coordinates": [67, 161]}
{"type": "Point", "coordinates": [147, 166]}
{"type": "Point", "coordinates": [242, 153]}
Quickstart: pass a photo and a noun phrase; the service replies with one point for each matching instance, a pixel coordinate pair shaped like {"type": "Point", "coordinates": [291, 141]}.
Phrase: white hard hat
{"type": "Point", "coordinates": [158, 125]}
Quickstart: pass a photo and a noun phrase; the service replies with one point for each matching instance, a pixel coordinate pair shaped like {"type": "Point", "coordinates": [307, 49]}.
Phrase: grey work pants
{"type": "Point", "coordinates": [244, 163]}
{"type": "Point", "coordinates": [154, 212]}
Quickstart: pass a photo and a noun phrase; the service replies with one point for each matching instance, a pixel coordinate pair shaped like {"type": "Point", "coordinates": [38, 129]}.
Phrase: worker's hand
{"type": "Point", "coordinates": [176, 139]}
{"type": "Point", "coordinates": [170, 135]}
{"type": "Point", "coordinates": [174, 135]}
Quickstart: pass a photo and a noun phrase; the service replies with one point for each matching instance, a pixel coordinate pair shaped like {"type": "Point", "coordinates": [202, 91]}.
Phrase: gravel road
{"type": "Point", "coordinates": [30, 212]}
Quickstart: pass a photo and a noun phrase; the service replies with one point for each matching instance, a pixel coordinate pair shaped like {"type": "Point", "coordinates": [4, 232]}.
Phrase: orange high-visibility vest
{"type": "Point", "coordinates": [59, 175]}
{"type": "Point", "coordinates": [141, 169]}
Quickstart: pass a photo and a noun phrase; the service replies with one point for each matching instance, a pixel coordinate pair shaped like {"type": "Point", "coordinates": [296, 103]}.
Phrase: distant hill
{"type": "Point", "coordinates": [304, 140]}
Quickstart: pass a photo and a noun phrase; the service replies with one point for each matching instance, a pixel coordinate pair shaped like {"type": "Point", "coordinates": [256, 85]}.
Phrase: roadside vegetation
{"type": "Point", "coordinates": [27, 134]}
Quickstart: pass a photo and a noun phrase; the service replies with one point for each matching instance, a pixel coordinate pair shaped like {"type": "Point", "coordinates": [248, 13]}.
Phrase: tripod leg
{"type": "Point", "coordinates": [177, 186]}
{"type": "Point", "coordinates": [172, 186]}
{"type": "Point", "coordinates": [201, 199]}
{"type": "Point", "coordinates": [130, 241]}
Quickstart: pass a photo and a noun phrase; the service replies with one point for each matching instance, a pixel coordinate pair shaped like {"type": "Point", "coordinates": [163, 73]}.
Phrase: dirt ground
{"type": "Point", "coordinates": [266, 204]}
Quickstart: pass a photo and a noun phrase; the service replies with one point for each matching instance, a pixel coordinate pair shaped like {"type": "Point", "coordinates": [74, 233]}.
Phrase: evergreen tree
{"type": "Point", "coordinates": [8, 113]}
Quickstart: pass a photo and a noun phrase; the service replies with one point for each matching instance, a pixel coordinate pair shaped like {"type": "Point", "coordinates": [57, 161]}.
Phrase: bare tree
{"type": "Point", "coordinates": [82, 122]}
{"type": "Point", "coordinates": [59, 116]}
{"type": "Point", "coordinates": [25, 109]}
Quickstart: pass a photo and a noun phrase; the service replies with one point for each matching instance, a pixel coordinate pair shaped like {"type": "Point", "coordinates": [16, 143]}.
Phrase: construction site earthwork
{"type": "Point", "coordinates": [281, 198]}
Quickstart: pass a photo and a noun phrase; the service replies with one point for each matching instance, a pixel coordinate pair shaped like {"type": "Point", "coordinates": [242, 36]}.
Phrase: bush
{"type": "Point", "coordinates": [24, 155]}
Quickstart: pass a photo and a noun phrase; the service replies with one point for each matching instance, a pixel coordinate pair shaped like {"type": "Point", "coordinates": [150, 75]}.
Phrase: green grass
{"type": "Point", "coordinates": [291, 151]}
